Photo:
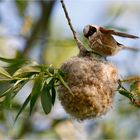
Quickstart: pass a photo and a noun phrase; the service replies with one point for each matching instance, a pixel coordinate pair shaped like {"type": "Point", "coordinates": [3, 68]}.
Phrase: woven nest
{"type": "Point", "coordinates": [93, 84]}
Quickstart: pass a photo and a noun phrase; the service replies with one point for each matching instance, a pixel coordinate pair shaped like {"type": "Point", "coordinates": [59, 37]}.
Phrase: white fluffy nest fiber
{"type": "Point", "coordinates": [92, 82]}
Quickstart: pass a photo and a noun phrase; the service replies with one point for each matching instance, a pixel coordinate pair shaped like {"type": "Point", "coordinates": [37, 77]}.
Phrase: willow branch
{"type": "Point", "coordinates": [40, 27]}
{"type": "Point", "coordinates": [78, 42]}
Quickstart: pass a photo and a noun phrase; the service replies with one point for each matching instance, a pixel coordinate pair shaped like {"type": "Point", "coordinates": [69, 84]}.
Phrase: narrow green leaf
{"type": "Point", "coordinates": [51, 88]}
{"type": "Point", "coordinates": [64, 83]}
{"type": "Point", "coordinates": [10, 60]}
{"type": "Point", "coordinates": [11, 92]}
{"type": "Point", "coordinates": [46, 100]}
{"type": "Point", "coordinates": [15, 63]}
{"type": "Point", "coordinates": [61, 73]}
{"type": "Point", "coordinates": [4, 74]}
{"type": "Point", "coordinates": [7, 101]}
{"type": "Point", "coordinates": [6, 92]}
{"type": "Point", "coordinates": [37, 88]}
{"type": "Point", "coordinates": [14, 89]}
{"type": "Point", "coordinates": [51, 70]}
{"type": "Point", "coordinates": [53, 91]}
{"type": "Point", "coordinates": [26, 70]}
{"type": "Point", "coordinates": [126, 93]}
{"type": "Point", "coordinates": [18, 86]}
{"type": "Point", "coordinates": [14, 60]}
{"type": "Point", "coordinates": [23, 106]}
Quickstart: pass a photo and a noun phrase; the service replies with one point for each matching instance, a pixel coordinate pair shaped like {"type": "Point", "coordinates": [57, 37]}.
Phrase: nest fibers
{"type": "Point", "coordinates": [92, 82]}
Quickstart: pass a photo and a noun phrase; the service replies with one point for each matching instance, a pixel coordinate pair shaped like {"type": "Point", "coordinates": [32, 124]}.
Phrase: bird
{"type": "Point", "coordinates": [101, 40]}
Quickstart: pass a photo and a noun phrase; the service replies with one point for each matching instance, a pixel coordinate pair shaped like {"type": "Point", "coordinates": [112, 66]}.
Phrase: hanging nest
{"type": "Point", "coordinates": [92, 82]}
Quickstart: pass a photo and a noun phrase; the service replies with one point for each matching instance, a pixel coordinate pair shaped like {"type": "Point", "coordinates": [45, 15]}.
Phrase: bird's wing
{"type": "Point", "coordinates": [113, 32]}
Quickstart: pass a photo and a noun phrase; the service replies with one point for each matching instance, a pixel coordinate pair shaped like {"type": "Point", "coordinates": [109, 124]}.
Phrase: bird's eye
{"type": "Point", "coordinates": [91, 31]}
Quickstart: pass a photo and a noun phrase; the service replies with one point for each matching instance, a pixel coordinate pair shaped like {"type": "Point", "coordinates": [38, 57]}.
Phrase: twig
{"type": "Point", "coordinates": [78, 42]}
{"type": "Point", "coordinates": [130, 79]}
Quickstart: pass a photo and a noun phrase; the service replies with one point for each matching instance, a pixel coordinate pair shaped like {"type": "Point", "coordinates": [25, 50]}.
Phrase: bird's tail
{"type": "Point", "coordinates": [130, 48]}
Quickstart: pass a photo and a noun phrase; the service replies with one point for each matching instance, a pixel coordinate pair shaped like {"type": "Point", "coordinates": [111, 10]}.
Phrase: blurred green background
{"type": "Point", "coordinates": [38, 29]}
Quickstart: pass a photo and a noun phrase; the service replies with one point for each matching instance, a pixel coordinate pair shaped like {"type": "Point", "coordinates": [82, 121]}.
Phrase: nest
{"type": "Point", "coordinates": [93, 84]}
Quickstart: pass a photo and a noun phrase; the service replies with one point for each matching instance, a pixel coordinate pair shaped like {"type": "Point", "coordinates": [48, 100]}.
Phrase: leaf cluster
{"type": "Point", "coordinates": [133, 90]}
{"type": "Point", "coordinates": [45, 81]}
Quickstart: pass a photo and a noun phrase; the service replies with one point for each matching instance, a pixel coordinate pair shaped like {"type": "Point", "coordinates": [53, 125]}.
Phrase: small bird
{"type": "Point", "coordinates": [101, 40]}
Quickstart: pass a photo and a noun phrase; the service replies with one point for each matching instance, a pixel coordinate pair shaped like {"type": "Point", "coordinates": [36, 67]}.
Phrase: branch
{"type": "Point", "coordinates": [78, 42]}
{"type": "Point", "coordinates": [40, 27]}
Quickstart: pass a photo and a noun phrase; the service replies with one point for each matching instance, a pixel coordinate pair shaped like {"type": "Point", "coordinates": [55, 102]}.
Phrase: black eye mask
{"type": "Point", "coordinates": [91, 31]}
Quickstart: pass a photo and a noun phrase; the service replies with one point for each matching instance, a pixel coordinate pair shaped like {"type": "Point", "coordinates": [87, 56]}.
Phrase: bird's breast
{"type": "Point", "coordinates": [104, 45]}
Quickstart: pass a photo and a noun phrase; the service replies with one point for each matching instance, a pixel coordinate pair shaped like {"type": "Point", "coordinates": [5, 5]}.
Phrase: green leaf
{"type": "Point", "coordinates": [51, 70]}
{"type": "Point", "coordinates": [53, 91]}
{"type": "Point", "coordinates": [18, 86]}
{"type": "Point", "coordinates": [61, 73]}
{"type": "Point", "coordinates": [6, 92]}
{"type": "Point", "coordinates": [7, 100]}
{"type": "Point", "coordinates": [64, 83]}
{"type": "Point", "coordinates": [4, 74]}
{"type": "Point", "coordinates": [36, 91]}
{"type": "Point", "coordinates": [46, 100]}
{"type": "Point", "coordinates": [125, 93]}
{"type": "Point", "coordinates": [13, 60]}
{"type": "Point", "coordinates": [10, 93]}
{"type": "Point", "coordinates": [26, 71]}
{"type": "Point", "coordinates": [51, 88]}
{"type": "Point", "coordinates": [23, 106]}
{"type": "Point", "coordinates": [14, 89]}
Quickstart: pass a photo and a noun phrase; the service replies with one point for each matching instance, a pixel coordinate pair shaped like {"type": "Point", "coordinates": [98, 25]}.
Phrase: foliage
{"type": "Point", "coordinates": [10, 84]}
{"type": "Point", "coordinates": [45, 79]}
{"type": "Point", "coordinates": [133, 91]}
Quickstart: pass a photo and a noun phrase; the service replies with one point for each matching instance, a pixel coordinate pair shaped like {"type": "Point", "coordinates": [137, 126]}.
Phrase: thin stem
{"type": "Point", "coordinates": [79, 43]}
{"type": "Point", "coordinates": [131, 79]}
{"type": "Point", "coordinates": [131, 96]}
